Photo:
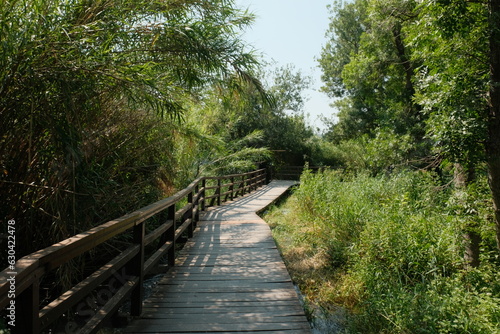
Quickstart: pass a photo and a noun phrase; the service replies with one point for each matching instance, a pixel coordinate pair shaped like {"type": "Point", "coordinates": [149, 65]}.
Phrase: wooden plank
{"type": "Point", "coordinates": [242, 257]}
{"type": "Point", "coordinates": [228, 294]}
{"type": "Point", "coordinates": [221, 305]}
{"type": "Point", "coordinates": [246, 253]}
{"type": "Point", "coordinates": [286, 331]}
{"type": "Point", "coordinates": [156, 256]}
{"type": "Point", "coordinates": [226, 277]}
{"type": "Point", "coordinates": [183, 228]}
{"type": "Point", "coordinates": [168, 326]}
{"type": "Point", "coordinates": [224, 285]}
{"type": "Point", "coordinates": [225, 317]}
{"type": "Point", "coordinates": [150, 237]}
{"type": "Point", "coordinates": [27, 270]}
{"type": "Point", "coordinates": [248, 272]}
{"type": "Point", "coordinates": [157, 310]}
{"type": "Point", "coordinates": [229, 242]}
{"type": "Point", "coordinates": [198, 317]}
{"type": "Point", "coordinates": [228, 262]}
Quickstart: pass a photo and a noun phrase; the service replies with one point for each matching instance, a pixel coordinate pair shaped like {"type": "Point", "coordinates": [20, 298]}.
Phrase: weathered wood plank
{"type": "Point", "coordinates": [204, 285]}
{"type": "Point", "coordinates": [236, 254]}
{"type": "Point", "coordinates": [232, 318]}
{"type": "Point", "coordinates": [228, 296]}
{"type": "Point", "coordinates": [247, 332]}
{"type": "Point", "coordinates": [229, 271]}
{"type": "Point", "coordinates": [157, 311]}
{"type": "Point", "coordinates": [168, 326]}
{"type": "Point", "coordinates": [219, 304]}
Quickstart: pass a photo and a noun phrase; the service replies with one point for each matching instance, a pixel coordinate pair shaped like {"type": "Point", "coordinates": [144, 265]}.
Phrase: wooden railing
{"type": "Point", "coordinates": [178, 215]}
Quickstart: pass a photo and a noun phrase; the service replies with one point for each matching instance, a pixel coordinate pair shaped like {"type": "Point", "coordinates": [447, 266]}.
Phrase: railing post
{"type": "Point", "coordinates": [231, 188]}
{"type": "Point", "coordinates": [242, 185]}
{"type": "Point", "coordinates": [196, 205]}
{"type": "Point", "coordinates": [190, 215]}
{"type": "Point", "coordinates": [218, 191]}
{"type": "Point", "coordinates": [203, 194]}
{"type": "Point", "coordinates": [171, 235]}
{"type": "Point", "coordinates": [137, 269]}
{"type": "Point", "coordinates": [28, 321]}
{"type": "Point", "coordinates": [269, 173]}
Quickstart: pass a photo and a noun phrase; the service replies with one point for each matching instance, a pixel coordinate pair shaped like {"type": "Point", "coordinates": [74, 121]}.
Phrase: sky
{"type": "Point", "coordinates": [293, 32]}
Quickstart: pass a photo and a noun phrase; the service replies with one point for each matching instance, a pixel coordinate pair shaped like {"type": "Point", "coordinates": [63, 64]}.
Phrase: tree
{"type": "Point", "coordinates": [276, 122]}
{"type": "Point", "coordinates": [370, 67]}
{"type": "Point", "coordinates": [493, 143]}
{"type": "Point", "coordinates": [457, 85]}
{"type": "Point", "coordinates": [347, 24]}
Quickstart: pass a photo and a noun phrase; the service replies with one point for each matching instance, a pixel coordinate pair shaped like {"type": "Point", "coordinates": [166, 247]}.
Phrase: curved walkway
{"type": "Point", "coordinates": [229, 278]}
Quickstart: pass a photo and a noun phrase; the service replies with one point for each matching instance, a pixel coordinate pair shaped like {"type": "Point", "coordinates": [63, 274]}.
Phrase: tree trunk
{"type": "Point", "coordinates": [417, 131]}
{"type": "Point", "coordinates": [405, 61]}
{"type": "Point", "coordinates": [472, 239]}
{"type": "Point", "coordinates": [493, 143]}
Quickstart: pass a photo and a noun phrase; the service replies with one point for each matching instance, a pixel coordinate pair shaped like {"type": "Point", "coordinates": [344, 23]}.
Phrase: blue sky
{"type": "Point", "coordinates": [292, 32]}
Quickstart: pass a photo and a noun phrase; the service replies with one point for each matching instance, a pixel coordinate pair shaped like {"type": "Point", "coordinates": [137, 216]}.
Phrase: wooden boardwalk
{"type": "Point", "coordinates": [229, 278]}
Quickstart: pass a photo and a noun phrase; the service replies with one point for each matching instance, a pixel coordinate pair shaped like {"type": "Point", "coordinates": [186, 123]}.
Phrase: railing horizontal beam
{"type": "Point", "coordinates": [158, 232]}
{"type": "Point", "coordinates": [155, 258]}
{"type": "Point", "coordinates": [71, 297]}
{"type": "Point", "coordinates": [93, 325]}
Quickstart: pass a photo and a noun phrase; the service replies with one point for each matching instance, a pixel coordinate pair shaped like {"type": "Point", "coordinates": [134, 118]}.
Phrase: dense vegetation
{"type": "Point", "coordinates": [109, 105]}
{"type": "Point", "coordinates": [416, 82]}
{"type": "Point", "coordinates": [390, 250]}
{"type": "Point", "coordinates": [407, 235]}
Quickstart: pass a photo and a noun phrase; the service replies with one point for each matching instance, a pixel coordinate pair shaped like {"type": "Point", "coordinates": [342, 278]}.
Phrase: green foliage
{"type": "Point", "coordinates": [3, 327]}
{"type": "Point", "coordinates": [246, 121]}
{"type": "Point", "coordinates": [288, 89]}
{"type": "Point", "coordinates": [419, 85]}
{"type": "Point", "coordinates": [322, 152]}
{"type": "Point", "coordinates": [453, 78]}
{"type": "Point", "coordinates": [391, 251]}
{"type": "Point", "coordinates": [383, 152]}
{"type": "Point", "coordinates": [344, 33]}
{"type": "Point", "coordinates": [367, 63]}
{"type": "Point", "coordinates": [418, 69]}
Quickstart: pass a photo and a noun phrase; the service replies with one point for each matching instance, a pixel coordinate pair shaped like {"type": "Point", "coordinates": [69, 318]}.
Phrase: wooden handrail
{"type": "Point", "coordinates": [129, 267]}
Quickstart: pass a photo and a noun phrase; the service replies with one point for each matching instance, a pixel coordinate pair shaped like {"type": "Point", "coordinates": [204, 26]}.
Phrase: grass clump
{"type": "Point", "coordinates": [390, 250]}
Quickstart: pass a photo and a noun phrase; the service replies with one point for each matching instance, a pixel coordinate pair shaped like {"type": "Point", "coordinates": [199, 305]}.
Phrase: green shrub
{"type": "Point", "coordinates": [395, 252]}
{"type": "Point", "coordinates": [375, 154]}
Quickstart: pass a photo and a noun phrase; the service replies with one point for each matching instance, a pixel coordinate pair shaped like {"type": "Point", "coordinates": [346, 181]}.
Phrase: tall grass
{"type": "Point", "coordinates": [390, 249]}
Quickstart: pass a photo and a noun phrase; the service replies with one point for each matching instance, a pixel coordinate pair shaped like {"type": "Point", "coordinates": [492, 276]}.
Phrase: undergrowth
{"type": "Point", "coordinates": [390, 250]}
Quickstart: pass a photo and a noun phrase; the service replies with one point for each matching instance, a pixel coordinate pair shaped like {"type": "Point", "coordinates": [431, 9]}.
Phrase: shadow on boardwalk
{"type": "Point", "coordinates": [229, 278]}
